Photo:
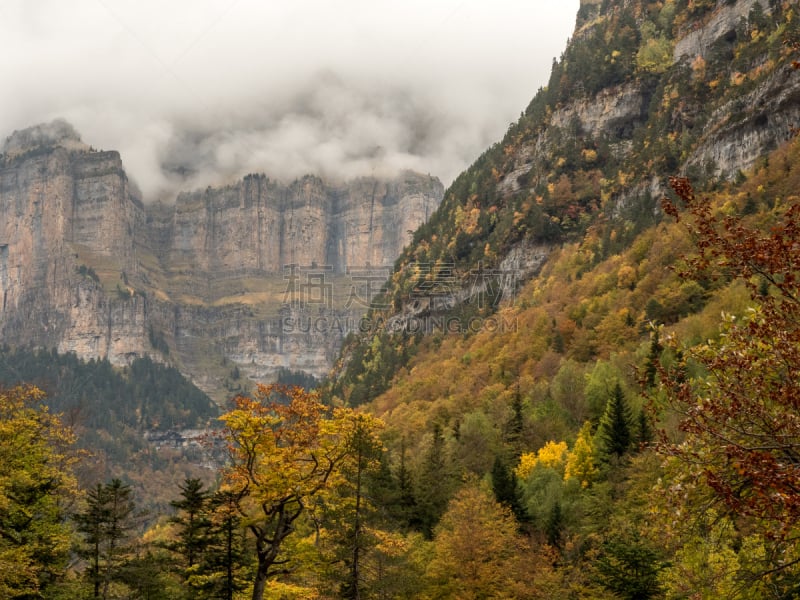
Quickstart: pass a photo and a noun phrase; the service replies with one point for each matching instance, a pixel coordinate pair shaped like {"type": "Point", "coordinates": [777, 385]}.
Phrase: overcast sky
{"type": "Point", "coordinates": [214, 89]}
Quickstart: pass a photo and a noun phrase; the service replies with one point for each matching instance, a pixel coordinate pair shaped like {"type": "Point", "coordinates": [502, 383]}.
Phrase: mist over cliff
{"type": "Point", "coordinates": [202, 93]}
{"type": "Point", "coordinates": [218, 278]}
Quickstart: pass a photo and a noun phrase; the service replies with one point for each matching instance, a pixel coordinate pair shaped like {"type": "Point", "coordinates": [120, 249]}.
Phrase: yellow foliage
{"type": "Point", "coordinates": [480, 554]}
{"type": "Point", "coordinates": [284, 456]}
{"type": "Point", "coordinates": [699, 67]}
{"type": "Point", "coordinates": [36, 486]}
{"type": "Point", "coordinates": [552, 456]}
{"type": "Point", "coordinates": [626, 276]}
{"type": "Point", "coordinates": [581, 464]}
{"type": "Point", "coordinates": [589, 155]}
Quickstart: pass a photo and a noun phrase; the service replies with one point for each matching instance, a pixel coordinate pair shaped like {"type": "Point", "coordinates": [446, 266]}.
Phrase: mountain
{"type": "Point", "coordinates": [643, 91]}
{"type": "Point", "coordinates": [549, 342]}
{"type": "Point", "coordinates": [203, 283]}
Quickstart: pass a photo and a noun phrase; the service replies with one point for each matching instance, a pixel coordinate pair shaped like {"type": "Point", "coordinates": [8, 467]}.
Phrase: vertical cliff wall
{"type": "Point", "coordinates": [204, 283]}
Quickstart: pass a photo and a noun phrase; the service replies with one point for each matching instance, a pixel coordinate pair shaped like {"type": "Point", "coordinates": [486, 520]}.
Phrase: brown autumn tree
{"type": "Point", "coordinates": [741, 415]}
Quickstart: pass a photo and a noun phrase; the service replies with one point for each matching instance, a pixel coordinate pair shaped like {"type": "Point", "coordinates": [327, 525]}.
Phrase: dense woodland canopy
{"type": "Point", "coordinates": [632, 433]}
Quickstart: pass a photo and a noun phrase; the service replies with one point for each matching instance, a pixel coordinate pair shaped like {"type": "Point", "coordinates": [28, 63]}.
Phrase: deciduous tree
{"type": "Point", "coordinates": [742, 419]}
{"type": "Point", "coordinates": [480, 554]}
{"type": "Point", "coordinates": [37, 487]}
{"type": "Point", "coordinates": [285, 448]}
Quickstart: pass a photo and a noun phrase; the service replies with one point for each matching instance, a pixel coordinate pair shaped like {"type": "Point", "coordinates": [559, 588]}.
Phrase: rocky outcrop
{"type": "Point", "coordinates": [701, 37]}
{"type": "Point", "coordinates": [744, 129]}
{"type": "Point", "coordinates": [206, 283]}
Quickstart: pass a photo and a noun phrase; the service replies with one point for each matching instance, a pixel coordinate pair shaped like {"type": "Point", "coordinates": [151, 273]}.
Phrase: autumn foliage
{"type": "Point", "coordinates": [286, 449]}
{"type": "Point", "coordinates": [742, 417]}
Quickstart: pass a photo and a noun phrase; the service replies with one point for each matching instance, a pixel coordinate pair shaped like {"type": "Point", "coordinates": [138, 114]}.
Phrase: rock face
{"type": "Point", "coordinates": [206, 283]}
{"type": "Point", "coordinates": [258, 225]}
{"type": "Point", "coordinates": [730, 140]}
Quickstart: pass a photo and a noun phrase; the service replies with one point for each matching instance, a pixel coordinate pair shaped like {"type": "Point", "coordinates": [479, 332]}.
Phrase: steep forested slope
{"type": "Point", "coordinates": [112, 412]}
{"type": "Point", "coordinates": [553, 383]}
{"type": "Point", "coordinates": [644, 90]}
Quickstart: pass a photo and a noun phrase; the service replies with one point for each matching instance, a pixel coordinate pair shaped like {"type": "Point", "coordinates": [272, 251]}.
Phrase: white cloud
{"type": "Point", "coordinates": [221, 88]}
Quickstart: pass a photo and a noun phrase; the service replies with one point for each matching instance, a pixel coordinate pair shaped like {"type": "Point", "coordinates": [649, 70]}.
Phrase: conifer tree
{"type": "Point", "coordinates": [407, 503]}
{"type": "Point", "coordinates": [653, 360]}
{"type": "Point", "coordinates": [615, 425]}
{"type": "Point", "coordinates": [193, 523]}
{"type": "Point", "coordinates": [433, 485]}
{"type": "Point", "coordinates": [644, 431]}
{"type": "Point", "coordinates": [106, 524]}
{"type": "Point", "coordinates": [506, 490]}
{"type": "Point", "coordinates": [515, 424]}
{"type": "Point", "coordinates": [219, 574]}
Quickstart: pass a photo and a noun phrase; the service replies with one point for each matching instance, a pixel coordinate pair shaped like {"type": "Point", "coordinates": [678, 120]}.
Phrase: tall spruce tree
{"type": "Point", "coordinates": [106, 524]}
{"type": "Point", "coordinates": [191, 520]}
{"type": "Point", "coordinates": [220, 571]}
{"type": "Point", "coordinates": [615, 425]}
{"type": "Point", "coordinates": [434, 484]}
{"type": "Point", "coordinates": [506, 491]}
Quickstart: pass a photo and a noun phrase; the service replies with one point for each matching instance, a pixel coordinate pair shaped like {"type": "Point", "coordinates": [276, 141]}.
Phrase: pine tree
{"type": "Point", "coordinates": [193, 523]}
{"type": "Point", "coordinates": [433, 485]}
{"type": "Point", "coordinates": [615, 425]}
{"type": "Point", "coordinates": [192, 519]}
{"type": "Point", "coordinates": [644, 431]}
{"type": "Point", "coordinates": [407, 503]}
{"type": "Point", "coordinates": [653, 359]}
{"type": "Point", "coordinates": [629, 569]}
{"type": "Point", "coordinates": [348, 518]}
{"type": "Point", "coordinates": [106, 524]}
{"type": "Point", "coordinates": [506, 490]}
{"type": "Point", "coordinates": [515, 424]}
{"type": "Point", "coordinates": [219, 572]}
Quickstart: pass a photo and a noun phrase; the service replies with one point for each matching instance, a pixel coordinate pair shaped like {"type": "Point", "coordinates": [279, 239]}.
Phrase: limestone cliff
{"type": "Point", "coordinates": [204, 283]}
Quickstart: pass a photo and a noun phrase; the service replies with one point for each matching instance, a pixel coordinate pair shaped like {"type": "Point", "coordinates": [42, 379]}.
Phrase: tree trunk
{"type": "Point", "coordinates": [260, 583]}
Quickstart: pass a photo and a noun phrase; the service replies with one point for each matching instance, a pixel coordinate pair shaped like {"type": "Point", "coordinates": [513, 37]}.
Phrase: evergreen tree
{"type": "Point", "coordinates": [348, 514]}
{"type": "Point", "coordinates": [629, 569]}
{"type": "Point", "coordinates": [644, 431]}
{"type": "Point", "coordinates": [653, 358]}
{"type": "Point", "coordinates": [433, 485]}
{"type": "Point", "coordinates": [515, 424]}
{"type": "Point", "coordinates": [406, 508]}
{"type": "Point", "coordinates": [192, 521]}
{"type": "Point", "coordinates": [106, 524]}
{"type": "Point", "coordinates": [219, 573]}
{"type": "Point", "coordinates": [615, 425]}
{"type": "Point", "coordinates": [506, 491]}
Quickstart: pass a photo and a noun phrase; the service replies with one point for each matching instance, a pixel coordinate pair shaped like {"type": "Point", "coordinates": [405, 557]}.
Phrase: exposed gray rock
{"type": "Point", "coordinates": [699, 41]}
{"type": "Point", "coordinates": [85, 267]}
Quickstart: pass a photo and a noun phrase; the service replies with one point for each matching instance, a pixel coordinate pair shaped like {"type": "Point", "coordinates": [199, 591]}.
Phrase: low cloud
{"type": "Point", "coordinates": [200, 93]}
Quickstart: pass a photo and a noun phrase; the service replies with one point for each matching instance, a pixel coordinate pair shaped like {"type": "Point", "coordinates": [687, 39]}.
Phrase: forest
{"type": "Point", "coordinates": [666, 470]}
